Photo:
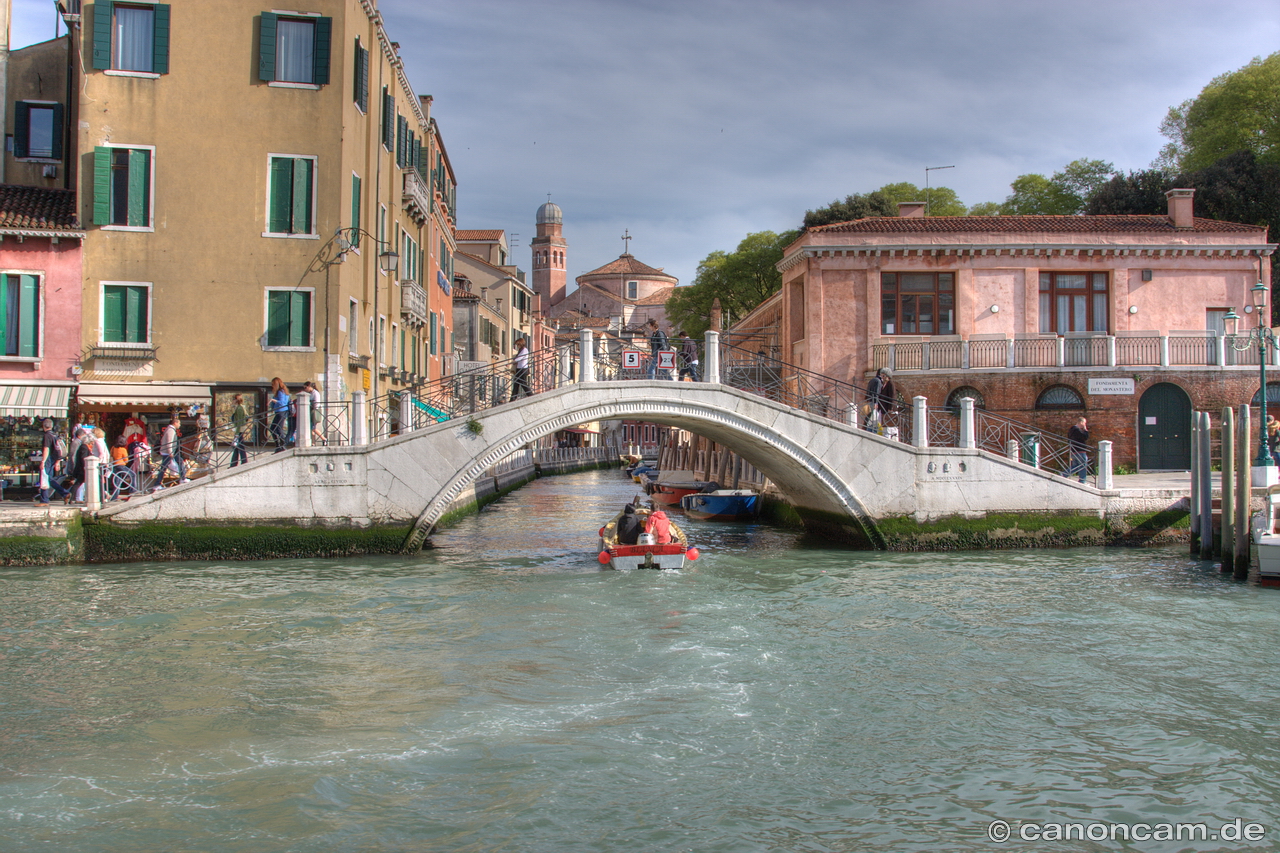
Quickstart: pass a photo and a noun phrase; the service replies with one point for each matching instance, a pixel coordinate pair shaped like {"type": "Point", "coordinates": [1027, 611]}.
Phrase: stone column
{"type": "Point", "coordinates": [712, 357]}
{"type": "Point", "coordinates": [92, 484]}
{"type": "Point", "coordinates": [966, 423]}
{"type": "Point", "coordinates": [406, 412]}
{"type": "Point", "coordinates": [919, 421]}
{"type": "Point", "coordinates": [359, 422]}
{"type": "Point", "coordinates": [586, 356]}
{"type": "Point", "coordinates": [1104, 466]}
{"type": "Point", "coordinates": [302, 433]}
{"type": "Point", "coordinates": [566, 366]}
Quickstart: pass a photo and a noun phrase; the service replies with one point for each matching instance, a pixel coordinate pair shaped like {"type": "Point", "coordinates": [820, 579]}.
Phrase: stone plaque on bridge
{"type": "Point", "coordinates": [1111, 386]}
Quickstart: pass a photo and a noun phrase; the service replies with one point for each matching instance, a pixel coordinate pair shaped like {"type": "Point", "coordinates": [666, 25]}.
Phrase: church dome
{"type": "Point", "coordinates": [549, 214]}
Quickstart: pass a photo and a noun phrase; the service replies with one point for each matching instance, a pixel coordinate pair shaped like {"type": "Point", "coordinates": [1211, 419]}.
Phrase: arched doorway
{"type": "Point", "coordinates": [1164, 429]}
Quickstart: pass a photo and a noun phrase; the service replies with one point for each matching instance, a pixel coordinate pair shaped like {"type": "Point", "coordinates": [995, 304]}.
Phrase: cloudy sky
{"type": "Point", "coordinates": [692, 123]}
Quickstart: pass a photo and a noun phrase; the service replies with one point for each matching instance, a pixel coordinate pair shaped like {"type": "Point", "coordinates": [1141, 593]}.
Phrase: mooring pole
{"type": "Point", "coordinates": [1206, 491]}
{"type": "Point", "coordinates": [1240, 568]}
{"type": "Point", "coordinates": [1228, 489]}
{"type": "Point", "coordinates": [1195, 482]}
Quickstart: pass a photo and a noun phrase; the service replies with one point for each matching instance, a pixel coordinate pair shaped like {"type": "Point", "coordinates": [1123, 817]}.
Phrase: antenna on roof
{"type": "Point", "coordinates": [927, 170]}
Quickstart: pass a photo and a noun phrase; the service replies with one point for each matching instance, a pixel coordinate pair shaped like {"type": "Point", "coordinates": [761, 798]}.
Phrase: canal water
{"type": "Point", "coordinates": [502, 693]}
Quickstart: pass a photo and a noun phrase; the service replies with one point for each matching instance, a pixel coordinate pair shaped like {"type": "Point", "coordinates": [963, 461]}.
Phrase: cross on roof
{"type": "Point", "coordinates": [626, 238]}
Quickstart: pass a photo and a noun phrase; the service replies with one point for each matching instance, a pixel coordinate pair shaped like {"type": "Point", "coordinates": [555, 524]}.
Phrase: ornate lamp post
{"type": "Point", "coordinates": [334, 252]}
{"type": "Point", "coordinates": [1263, 336]}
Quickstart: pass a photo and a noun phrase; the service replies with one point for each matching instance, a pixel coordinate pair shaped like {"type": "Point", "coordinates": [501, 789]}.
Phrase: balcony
{"type": "Point", "coordinates": [121, 352]}
{"type": "Point", "coordinates": [417, 197]}
{"type": "Point", "coordinates": [413, 303]}
{"type": "Point", "coordinates": [357, 362]}
{"type": "Point", "coordinates": [1151, 350]}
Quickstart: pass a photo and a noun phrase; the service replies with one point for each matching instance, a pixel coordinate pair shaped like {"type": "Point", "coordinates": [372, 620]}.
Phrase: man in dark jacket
{"type": "Point", "coordinates": [657, 343]}
{"type": "Point", "coordinates": [629, 527]}
{"type": "Point", "coordinates": [1078, 447]}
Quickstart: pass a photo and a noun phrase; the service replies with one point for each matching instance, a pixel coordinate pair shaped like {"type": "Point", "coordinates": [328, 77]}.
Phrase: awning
{"type": "Point", "coordinates": [34, 401]}
{"type": "Point", "coordinates": [141, 394]}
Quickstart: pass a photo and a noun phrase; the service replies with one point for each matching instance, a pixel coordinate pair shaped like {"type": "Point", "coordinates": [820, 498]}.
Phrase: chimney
{"type": "Point", "coordinates": [910, 209]}
{"type": "Point", "coordinates": [1181, 209]}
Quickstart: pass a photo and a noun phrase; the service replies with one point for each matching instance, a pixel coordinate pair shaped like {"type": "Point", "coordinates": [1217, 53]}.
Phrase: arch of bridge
{"type": "Point", "coordinates": [727, 416]}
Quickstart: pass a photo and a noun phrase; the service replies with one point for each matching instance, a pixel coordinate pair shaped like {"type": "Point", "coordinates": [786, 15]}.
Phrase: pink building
{"type": "Point", "coordinates": [40, 285]}
{"type": "Point", "coordinates": [1038, 318]}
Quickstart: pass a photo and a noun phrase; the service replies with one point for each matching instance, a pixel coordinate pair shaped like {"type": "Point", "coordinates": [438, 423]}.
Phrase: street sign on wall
{"type": "Point", "coordinates": [632, 359]}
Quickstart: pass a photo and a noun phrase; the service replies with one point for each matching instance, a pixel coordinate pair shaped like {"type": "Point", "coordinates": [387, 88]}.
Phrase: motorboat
{"type": "Point", "coordinates": [646, 553]}
{"type": "Point", "coordinates": [722, 505]}
{"type": "Point", "coordinates": [1266, 537]}
{"type": "Point", "coordinates": [673, 485]}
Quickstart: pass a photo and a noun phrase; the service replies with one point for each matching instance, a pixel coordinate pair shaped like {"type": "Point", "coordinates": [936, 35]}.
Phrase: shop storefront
{"type": "Point", "coordinates": [125, 409]}
{"type": "Point", "coordinates": [23, 408]}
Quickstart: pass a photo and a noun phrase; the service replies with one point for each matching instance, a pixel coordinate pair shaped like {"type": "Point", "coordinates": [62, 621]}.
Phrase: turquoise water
{"type": "Point", "coordinates": [502, 693]}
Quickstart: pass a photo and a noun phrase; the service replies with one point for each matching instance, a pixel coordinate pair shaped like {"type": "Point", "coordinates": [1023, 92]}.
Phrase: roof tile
{"type": "Point", "coordinates": [1027, 224]}
{"type": "Point", "coordinates": [37, 209]}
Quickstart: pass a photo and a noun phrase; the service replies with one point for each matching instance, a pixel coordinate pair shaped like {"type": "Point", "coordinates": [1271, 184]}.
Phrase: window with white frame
{"type": "Point", "coordinates": [353, 323]}
{"type": "Point", "coordinates": [20, 315]}
{"type": "Point", "coordinates": [125, 312]}
{"type": "Point", "coordinates": [1073, 302]}
{"type": "Point", "coordinates": [131, 37]}
{"type": "Point", "coordinates": [633, 289]}
{"type": "Point", "coordinates": [289, 318]}
{"type": "Point", "coordinates": [123, 187]}
{"type": "Point", "coordinates": [291, 182]}
{"type": "Point", "coordinates": [295, 49]}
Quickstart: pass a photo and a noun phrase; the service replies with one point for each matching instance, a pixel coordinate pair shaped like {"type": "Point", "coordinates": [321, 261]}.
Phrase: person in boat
{"type": "Point", "coordinates": [629, 526]}
{"type": "Point", "coordinates": [659, 527]}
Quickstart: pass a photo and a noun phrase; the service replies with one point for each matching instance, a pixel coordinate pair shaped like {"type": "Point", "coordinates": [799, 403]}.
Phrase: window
{"type": "Point", "coordinates": [433, 333]}
{"type": "Point", "coordinates": [291, 196]}
{"type": "Point", "coordinates": [131, 37]}
{"type": "Point", "coordinates": [382, 340]}
{"type": "Point", "coordinates": [388, 113]}
{"type": "Point", "coordinates": [289, 318]}
{"type": "Point", "coordinates": [633, 288]}
{"type": "Point", "coordinates": [958, 394]}
{"type": "Point", "coordinates": [361, 94]}
{"type": "Point", "coordinates": [1273, 396]}
{"type": "Point", "coordinates": [1073, 302]}
{"type": "Point", "coordinates": [126, 313]}
{"type": "Point", "coordinates": [1059, 397]}
{"type": "Point", "coordinates": [37, 130]}
{"type": "Point", "coordinates": [20, 316]}
{"type": "Point", "coordinates": [122, 186]}
{"type": "Point", "coordinates": [353, 323]}
{"type": "Point", "coordinates": [294, 50]}
{"type": "Point", "coordinates": [403, 362]}
{"type": "Point", "coordinates": [918, 303]}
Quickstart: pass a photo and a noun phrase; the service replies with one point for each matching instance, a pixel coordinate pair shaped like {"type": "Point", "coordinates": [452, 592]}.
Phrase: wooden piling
{"type": "Point", "coordinates": [1228, 434]}
{"type": "Point", "coordinates": [1195, 483]}
{"type": "Point", "coordinates": [1240, 567]}
{"type": "Point", "coordinates": [1206, 491]}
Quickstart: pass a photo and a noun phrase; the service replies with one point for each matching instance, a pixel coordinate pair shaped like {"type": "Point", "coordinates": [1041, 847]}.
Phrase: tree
{"type": "Point", "coordinates": [856, 206]}
{"type": "Point", "coordinates": [1136, 192]}
{"type": "Point", "coordinates": [1237, 111]}
{"type": "Point", "coordinates": [741, 280]}
{"type": "Point", "coordinates": [986, 208]}
{"type": "Point", "coordinates": [943, 201]}
{"type": "Point", "coordinates": [1064, 194]}
{"type": "Point", "coordinates": [1037, 195]}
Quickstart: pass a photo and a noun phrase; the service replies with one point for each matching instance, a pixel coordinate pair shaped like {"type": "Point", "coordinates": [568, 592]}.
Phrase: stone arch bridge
{"type": "Point", "coordinates": [842, 480]}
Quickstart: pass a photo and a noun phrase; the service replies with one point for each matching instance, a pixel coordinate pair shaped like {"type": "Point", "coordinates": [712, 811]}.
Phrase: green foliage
{"type": "Point", "coordinates": [741, 280]}
{"type": "Point", "coordinates": [474, 427]}
{"type": "Point", "coordinates": [856, 206]}
{"type": "Point", "coordinates": [1065, 194]}
{"type": "Point", "coordinates": [986, 208]}
{"type": "Point", "coordinates": [943, 201]}
{"type": "Point", "coordinates": [1137, 192]}
{"type": "Point", "coordinates": [1237, 111]}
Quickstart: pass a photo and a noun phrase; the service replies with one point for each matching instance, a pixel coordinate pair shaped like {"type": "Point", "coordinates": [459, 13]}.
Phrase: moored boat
{"type": "Point", "coordinates": [721, 505]}
{"type": "Point", "coordinates": [671, 486]}
{"type": "Point", "coordinates": [1266, 537]}
{"type": "Point", "coordinates": [646, 553]}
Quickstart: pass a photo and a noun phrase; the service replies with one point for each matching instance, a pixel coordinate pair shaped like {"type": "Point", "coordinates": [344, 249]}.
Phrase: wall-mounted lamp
{"type": "Point", "coordinates": [1146, 275]}
{"type": "Point", "coordinates": [995, 309]}
{"type": "Point", "coordinates": [1133, 309]}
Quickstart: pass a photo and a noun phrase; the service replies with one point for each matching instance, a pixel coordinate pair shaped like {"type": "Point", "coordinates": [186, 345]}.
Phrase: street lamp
{"type": "Point", "coordinates": [1264, 336]}
{"type": "Point", "coordinates": [332, 253]}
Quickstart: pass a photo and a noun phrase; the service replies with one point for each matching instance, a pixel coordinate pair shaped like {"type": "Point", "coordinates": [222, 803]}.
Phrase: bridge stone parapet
{"type": "Point", "coordinates": [848, 478]}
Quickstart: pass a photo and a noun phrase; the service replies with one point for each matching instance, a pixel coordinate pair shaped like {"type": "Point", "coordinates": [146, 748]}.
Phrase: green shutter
{"type": "Point", "coordinates": [135, 315]}
{"type": "Point", "coordinates": [402, 128]}
{"type": "Point", "coordinates": [433, 333]}
{"type": "Point", "coordinates": [361, 67]}
{"type": "Point", "coordinates": [301, 220]}
{"type": "Point", "coordinates": [102, 34]}
{"type": "Point", "coordinates": [6, 282]}
{"type": "Point", "coordinates": [101, 186]}
{"type": "Point", "coordinates": [21, 128]}
{"type": "Point", "coordinates": [267, 47]}
{"type": "Point", "coordinates": [278, 318]}
{"type": "Point", "coordinates": [299, 327]}
{"type": "Point", "coordinates": [281, 202]}
{"type": "Point", "coordinates": [402, 337]}
{"type": "Point", "coordinates": [113, 315]}
{"type": "Point", "coordinates": [160, 40]}
{"type": "Point", "coordinates": [139, 181]}
{"type": "Point", "coordinates": [28, 316]}
{"type": "Point", "coordinates": [388, 129]}
{"type": "Point", "coordinates": [355, 210]}
{"type": "Point", "coordinates": [323, 48]}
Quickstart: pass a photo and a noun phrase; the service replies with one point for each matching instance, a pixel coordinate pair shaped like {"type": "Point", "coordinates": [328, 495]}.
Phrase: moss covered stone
{"type": "Point", "coordinates": [106, 542]}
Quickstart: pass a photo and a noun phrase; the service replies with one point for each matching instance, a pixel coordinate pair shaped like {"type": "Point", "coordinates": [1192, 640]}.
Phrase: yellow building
{"type": "Point", "coordinates": [221, 146]}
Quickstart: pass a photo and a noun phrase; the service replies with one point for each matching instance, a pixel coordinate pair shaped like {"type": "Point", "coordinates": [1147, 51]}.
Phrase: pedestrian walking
{"type": "Point", "coordinates": [520, 374]}
{"type": "Point", "coordinates": [688, 357]}
{"type": "Point", "coordinates": [53, 450]}
{"type": "Point", "coordinates": [239, 431]}
{"type": "Point", "coordinates": [1078, 449]}
{"type": "Point", "coordinates": [657, 343]}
